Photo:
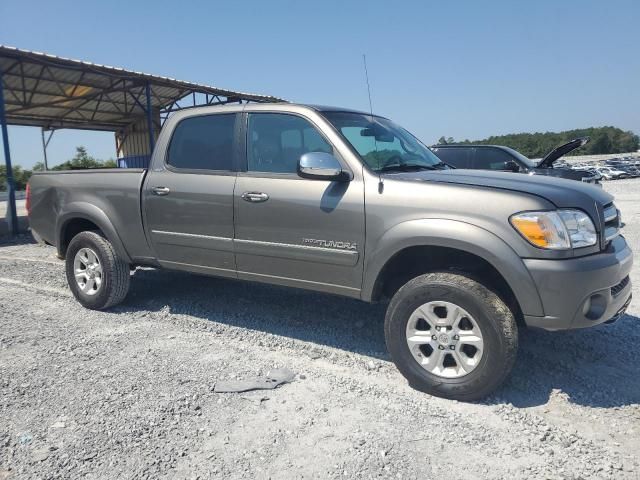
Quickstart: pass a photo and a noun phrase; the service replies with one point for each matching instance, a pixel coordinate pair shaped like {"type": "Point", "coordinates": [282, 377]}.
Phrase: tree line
{"type": "Point", "coordinates": [81, 160]}
{"type": "Point", "coordinates": [604, 140]}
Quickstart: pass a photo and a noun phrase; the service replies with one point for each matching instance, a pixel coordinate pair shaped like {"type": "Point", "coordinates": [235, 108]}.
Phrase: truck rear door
{"type": "Point", "coordinates": [188, 199]}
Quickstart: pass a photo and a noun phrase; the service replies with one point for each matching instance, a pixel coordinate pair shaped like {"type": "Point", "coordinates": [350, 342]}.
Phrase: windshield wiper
{"type": "Point", "coordinates": [442, 166]}
{"type": "Point", "coordinates": [405, 167]}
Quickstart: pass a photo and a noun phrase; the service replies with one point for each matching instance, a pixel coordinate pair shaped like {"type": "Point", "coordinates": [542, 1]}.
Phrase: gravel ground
{"type": "Point", "coordinates": [129, 393]}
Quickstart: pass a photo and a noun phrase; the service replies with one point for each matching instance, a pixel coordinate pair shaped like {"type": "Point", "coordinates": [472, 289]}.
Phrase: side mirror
{"type": "Point", "coordinates": [321, 166]}
{"type": "Point", "coordinates": [512, 166]}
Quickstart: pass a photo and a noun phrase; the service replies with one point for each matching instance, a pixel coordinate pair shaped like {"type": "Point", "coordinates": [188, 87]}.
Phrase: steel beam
{"type": "Point", "coordinates": [147, 90]}
{"type": "Point", "coordinates": [45, 144]}
{"type": "Point", "coordinates": [11, 188]}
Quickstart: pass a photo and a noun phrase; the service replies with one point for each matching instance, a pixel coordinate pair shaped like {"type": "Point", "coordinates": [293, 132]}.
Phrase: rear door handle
{"type": "Point", "coordinates": [161, 191]}
{"type": "Point", "coordinates": [255, 197]}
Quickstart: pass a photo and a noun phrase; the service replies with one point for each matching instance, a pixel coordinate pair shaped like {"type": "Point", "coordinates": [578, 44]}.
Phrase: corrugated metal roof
{"type": "Point", "coordinates": [56, 92]}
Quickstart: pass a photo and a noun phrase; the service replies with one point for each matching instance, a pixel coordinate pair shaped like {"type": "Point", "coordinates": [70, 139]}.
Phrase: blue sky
{"type": "Point", "coordinates": [465, 69]}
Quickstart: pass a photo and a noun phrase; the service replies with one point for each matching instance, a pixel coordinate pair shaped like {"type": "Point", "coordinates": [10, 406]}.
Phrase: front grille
{"type": "Point", "coordinates": [611, 222]}
{"type": "Point", "coordinates": [616, 289]}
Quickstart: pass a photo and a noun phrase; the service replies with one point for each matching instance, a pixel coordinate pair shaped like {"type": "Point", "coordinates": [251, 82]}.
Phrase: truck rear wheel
{"type": "Point", "coordinates": [97, 276]}
{"type": "Point", "coordinates": [450, 336]}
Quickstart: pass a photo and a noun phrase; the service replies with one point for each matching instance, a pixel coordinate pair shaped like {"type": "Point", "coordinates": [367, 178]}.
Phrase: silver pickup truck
{"type": "Point", "coordinates": [349, 203]}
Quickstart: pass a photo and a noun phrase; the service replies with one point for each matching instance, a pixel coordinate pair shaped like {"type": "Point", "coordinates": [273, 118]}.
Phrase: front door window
{"type": "Point", "coordinates": [275, 142]}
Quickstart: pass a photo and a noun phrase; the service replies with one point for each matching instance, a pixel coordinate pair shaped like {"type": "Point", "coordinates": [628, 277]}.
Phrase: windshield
{"type": "Point", "coordinates": [383, 145]}
{"type": "Point", "coordinates": [526, 160]}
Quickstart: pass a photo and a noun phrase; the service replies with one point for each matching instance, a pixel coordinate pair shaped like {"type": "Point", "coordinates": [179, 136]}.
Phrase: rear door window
{"type": "Point", "coordinates": [203, 143]}
{"type": "Point", "coordinates": [487, 158]}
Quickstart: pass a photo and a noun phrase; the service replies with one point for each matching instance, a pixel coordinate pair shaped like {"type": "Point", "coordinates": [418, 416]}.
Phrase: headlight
{"type": "Point", "coordinates": [580, 227]}
{"type": "Point", "coordinates": [557, 230]}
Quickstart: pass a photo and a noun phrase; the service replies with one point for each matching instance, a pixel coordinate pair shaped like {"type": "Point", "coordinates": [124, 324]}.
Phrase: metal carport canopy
{"type": "Point", "coordinates": [41, 90]}
{"type": "Point", "coordinates": [54, 92]}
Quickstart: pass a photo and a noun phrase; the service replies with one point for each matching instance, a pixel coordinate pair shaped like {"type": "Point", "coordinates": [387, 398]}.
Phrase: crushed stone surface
{"type": "Point", "coordinates": [129, 393]}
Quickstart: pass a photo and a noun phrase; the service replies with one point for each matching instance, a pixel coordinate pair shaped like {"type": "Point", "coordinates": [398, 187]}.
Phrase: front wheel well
{"type": "Point", "coordinates": [72, 228]}
{"type": "Point", "coordinates": [418, 260]}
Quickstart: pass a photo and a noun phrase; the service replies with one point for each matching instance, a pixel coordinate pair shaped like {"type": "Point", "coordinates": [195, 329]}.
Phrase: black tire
{"type": "Point", "coordinates": [493, 317]}
{"type": "Point", "coordinates": [115, 272]}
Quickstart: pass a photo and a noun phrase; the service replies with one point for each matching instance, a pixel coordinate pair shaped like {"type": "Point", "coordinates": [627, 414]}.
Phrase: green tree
{"type": "Point", "coordinates": [20, 177]}
{"type": "Point", "coordinates": [536, 145]}
{"type": "Point", "coordinates": [81, 160]}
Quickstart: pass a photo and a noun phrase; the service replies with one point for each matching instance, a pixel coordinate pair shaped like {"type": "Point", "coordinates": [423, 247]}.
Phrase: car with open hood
{"type": "Point", "coordinates": [505, 159]}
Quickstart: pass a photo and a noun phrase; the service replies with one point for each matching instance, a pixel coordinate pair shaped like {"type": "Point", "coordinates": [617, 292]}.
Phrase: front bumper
{"type": "Point", "coordinates": [582, 292]}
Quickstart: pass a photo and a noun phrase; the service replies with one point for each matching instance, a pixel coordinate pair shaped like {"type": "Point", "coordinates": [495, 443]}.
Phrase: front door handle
{"type": "Point", "coordinates": [161, 191]}
{"type": "Point", "coordinates": [255, 197]}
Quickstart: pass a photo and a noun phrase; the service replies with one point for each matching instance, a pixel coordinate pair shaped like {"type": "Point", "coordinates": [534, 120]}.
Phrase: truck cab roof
{"type": "Point", "coordinates": [328, 108]}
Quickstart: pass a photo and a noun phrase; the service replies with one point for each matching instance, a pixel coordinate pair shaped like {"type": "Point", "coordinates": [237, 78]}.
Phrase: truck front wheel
{"type": "Point", "coordinates": [450, 336]}
{"type": "Point", "coordinates": [96, 274]}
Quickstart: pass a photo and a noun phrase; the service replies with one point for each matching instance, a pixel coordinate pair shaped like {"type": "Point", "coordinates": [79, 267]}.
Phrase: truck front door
{"type": "Point", "coordinates": [188, 199]}
{"type": "Point", "coordinates": [290, 230]}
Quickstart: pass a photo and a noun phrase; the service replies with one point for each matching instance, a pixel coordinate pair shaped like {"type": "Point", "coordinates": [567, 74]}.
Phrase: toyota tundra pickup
{"type": "Point", "coordinates": [349, 203]}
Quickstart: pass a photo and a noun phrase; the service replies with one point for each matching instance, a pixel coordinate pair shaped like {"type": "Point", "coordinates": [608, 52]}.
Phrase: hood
{"type": "Point", "coordinates": [560, 192]}
{"type": "Point", "coordinates": [562, 172]}
{"type": "Point", "coordinates": [562, 150]}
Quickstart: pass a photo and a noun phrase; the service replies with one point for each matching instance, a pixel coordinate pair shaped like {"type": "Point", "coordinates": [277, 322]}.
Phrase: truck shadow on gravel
{"type": "Point", "coordinates": [594, 367]}
{"type": "Point", "coordinates": [318, 318]}
{"type": "Point", "coordinates": [20, 239]}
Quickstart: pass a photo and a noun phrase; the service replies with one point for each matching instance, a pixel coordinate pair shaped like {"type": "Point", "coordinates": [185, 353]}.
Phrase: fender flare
{"type": "Point", "coordinates": [461, 236]}
{"type": "Point", "coordinates": [87, 211]}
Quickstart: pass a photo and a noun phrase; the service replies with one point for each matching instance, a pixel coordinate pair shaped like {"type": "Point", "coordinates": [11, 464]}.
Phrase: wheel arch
{"type": "Point", "coordinates": [416, 247]}
{"type": "Point", "coordinates": [81, 216]}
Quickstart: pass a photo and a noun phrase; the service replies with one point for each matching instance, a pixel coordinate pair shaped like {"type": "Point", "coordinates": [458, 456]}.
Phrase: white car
{"type": "Point", "coordinates": [609, 173]}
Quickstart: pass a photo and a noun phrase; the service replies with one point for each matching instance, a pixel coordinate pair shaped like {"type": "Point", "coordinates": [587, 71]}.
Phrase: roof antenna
{"type": "Point", "coordinates": [366, 75]}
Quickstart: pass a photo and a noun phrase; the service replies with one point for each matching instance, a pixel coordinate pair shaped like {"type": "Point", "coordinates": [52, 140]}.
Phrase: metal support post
{"type": "Point", "coordinates": [149, 118]}
{"type": "Point", "coordinates": [45, 144]}
{"type": "Point", "coordinates": [11, 188]}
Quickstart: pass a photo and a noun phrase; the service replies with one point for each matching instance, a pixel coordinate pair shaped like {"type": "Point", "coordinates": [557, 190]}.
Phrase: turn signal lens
{"type": "Point", "coordinates": [542, 229]}
{"type": "Point", "coordinates": [531, 230]}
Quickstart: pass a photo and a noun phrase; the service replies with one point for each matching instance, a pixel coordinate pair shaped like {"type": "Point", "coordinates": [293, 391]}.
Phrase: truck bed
{"type": "Point", "coordinates": [56, 196]}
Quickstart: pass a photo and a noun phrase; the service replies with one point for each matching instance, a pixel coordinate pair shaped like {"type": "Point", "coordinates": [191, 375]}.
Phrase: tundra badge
{"type": "Point", "coordinates": [330, 244]}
